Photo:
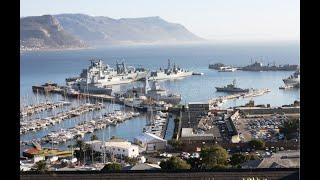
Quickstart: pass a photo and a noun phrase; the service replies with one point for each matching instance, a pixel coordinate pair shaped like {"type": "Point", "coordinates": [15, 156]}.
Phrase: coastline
{"type": "Point", "coordinates": [55, 49]}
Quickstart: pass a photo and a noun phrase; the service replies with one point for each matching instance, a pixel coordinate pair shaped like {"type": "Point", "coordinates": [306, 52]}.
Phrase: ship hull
{"type": "Point", "coordinates": [232, 90]}
{"type": "Point", "coordinates": [174, 76]}
{"type": "Point", "coordinates": [291, 81]}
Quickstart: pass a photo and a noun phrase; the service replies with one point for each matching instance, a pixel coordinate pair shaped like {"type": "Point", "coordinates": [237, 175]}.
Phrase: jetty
{"type": "Point", "coordinates": [158, 124]}
{"type": "Point", "coordinates": [87, 127]}
{"type": "Point", "coordinates": [38, 124]}
{"type": "Point", "coordinates": [253, 93]}
{"type": "Point", "coordinates": [36, 108]}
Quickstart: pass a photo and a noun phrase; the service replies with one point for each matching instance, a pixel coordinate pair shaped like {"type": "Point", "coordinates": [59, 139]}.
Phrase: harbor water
{"type": "Point", "coordinates": [37, 68]}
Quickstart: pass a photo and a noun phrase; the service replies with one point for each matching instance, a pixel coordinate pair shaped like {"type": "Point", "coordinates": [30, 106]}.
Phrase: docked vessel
{"type": "Point", "coordinates": [138, 96]}
{"type": "Point", "coordinates": [232, 88]}
{"type": "Point", "coordinates": [159, 94]}
{"type": "Point", "coordinates": [293, 80]}
{"type": "Point", "coordinates": [99, 78]}
{"type": "Point", "coordinates": [257, 66]}
{"type": "Point", "coordinates": [169, 73]}
{"type": "Point", "coordinates": [227, 69]}
{"type": "Point", "coordinates": [216, 66]}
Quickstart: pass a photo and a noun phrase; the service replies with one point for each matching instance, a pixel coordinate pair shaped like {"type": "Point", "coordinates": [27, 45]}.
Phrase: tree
{"type": "Point", "coordinates": [94, 137]}
{"type": "Point", "coordinates": [174, 163]}
{"type": "Point", "coordinates": [213, 157]}
{"type": "Point", "coordinates": [176, 144]}
{"type": "Point", "coordinates": [41, 166]}
{"type": "Point", "coordinates": [257, 144]}
{"type": "Point", "coordinates": [80, 144]}
{"type": "Point", "coordinates": [289, 128]}
{"type": "Point", "coordinates": [112, 167]}
{"type": "Point", "coordinates": [237, 159]}
{"type": "Point", "coordinates": [251, 156]}
{"type": "Point", "coordinates": [195, 163]}
{"type": "Point", "coordinates": [131, 161]}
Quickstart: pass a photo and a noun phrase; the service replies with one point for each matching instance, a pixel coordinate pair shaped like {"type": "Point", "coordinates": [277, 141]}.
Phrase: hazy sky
{"type": "Point", "coordinates": [211, 19]}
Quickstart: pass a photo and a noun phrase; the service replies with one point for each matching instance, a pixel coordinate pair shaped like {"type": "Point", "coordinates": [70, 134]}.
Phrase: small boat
{"type": "Point", "coordinates": [198, 73]}
{"type": "Point", "coordinates": [227, 69]}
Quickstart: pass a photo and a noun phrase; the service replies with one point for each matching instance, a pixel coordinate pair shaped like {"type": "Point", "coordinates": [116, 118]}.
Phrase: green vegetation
{"type": "Point", "coordinates": [237, 159]}
{"type": "Point", "coordinates": [176, 126]}
{"type": "Point", "coordinates": [289, 128]}
{"type": "Point", "coordinates": [176, 144]}
{"type": "Point", "coordinates": [111, 167]}
{"type": "Point", "coordinates": [195, 163]}
{"type": "Point", "coordinates": [213, 157]}
{"type": "Point", "coordinates": [94, 137]}
{"type": "Point", "coordinates": [41, 166]}
{"type": "Point", "coordinates": [257, 144]}
{"type": "Point", "coordinates": [131, 161]}
{"type": "Point", "coordinates": [174, 163]}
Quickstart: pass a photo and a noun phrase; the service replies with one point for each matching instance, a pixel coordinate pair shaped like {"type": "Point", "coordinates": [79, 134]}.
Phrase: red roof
{"type": "Point", "coordinates": [32, 151]}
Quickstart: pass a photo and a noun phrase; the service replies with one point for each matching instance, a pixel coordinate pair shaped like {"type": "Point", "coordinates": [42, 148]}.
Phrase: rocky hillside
{"type": "Point", "coordinates": [135, 30]}
{"type": "Point", "coordinates": [77, 30]}
{"type": "Point", "coordinates": [45, 32]}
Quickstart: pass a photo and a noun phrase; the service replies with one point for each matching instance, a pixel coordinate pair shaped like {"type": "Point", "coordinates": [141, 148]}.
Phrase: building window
{"type": "Point", "coordinates": [123, 150]}
{"type": "Point", "coordinates": [118, 149]}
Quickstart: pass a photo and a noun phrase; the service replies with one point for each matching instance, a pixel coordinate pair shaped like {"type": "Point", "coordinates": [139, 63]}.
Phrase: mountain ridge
{"type": "Point", "coordinates": [81, 30]}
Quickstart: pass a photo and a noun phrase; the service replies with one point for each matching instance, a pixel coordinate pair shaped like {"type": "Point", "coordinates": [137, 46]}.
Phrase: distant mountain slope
{"type": "Point", "coordinates": [45, 32]}
{"type": "Point", "coordinates": [76, 30]}
{"type": "Point", "coordinates": [107, 30]}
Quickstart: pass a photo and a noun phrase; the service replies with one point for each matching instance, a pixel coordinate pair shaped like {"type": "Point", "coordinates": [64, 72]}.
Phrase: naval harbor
{"type": "Point", "coordinates": [89, 104]}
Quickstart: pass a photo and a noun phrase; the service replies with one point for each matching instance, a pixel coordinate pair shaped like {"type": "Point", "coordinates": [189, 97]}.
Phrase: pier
{"type": "Point", "coordinates": [86, 127]}
{"type": "Point", "coordinates": [253, 93]}
{"type": "Point", "coordinates": [36, 108]}
{"type": "Point", "coordinates": [38, 124]}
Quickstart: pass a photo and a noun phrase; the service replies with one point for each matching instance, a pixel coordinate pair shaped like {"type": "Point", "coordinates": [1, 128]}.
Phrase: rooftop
{"type": "Point", "coordinates": [188, 132]}
{"type": "Point", "coordinates": [148, 137]}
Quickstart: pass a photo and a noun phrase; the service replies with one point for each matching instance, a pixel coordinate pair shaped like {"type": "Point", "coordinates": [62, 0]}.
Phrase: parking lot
{"type": "Point", "coordinates": [265, 128]}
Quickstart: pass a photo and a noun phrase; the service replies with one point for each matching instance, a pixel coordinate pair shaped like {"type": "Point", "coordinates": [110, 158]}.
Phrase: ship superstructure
{"type": "Point", "coordinates": [98, 78]}
{"type": "Point", "coordinates": [293, 80]}
{"type": "Point", "coordinates": [171, 72]}
{"type": "Point", "coordinates": [232, 88]}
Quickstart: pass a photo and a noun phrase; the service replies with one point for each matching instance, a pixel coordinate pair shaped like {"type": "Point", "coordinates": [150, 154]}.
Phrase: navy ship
{"type": "Point", "coordinates": [232, 88]}
{"type": "Point", "coordinates": [258, 66]}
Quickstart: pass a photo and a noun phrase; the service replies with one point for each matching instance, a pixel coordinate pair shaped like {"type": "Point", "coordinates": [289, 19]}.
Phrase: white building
{"type": "Point", "coordinates": [116, 147]}
{"type": "Point", "coordinates": [150, 142]}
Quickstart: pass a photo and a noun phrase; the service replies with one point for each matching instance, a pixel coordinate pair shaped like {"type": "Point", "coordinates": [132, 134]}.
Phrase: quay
{"type": "Point", "coordinates": [253, 93]}
{"type": "Point", "coordinates": [38, 124]}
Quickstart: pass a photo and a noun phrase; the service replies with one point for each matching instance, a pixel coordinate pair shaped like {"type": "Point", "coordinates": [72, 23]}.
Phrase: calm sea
{"type": "Point", "coordinates": [55, 66]}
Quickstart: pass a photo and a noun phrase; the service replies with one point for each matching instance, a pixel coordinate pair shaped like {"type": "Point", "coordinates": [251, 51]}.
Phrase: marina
{"type": "Point", "coordinates": [38, 124]}
{"type": "Point", "coordinates": [88, 126]}
{"type": "Point", "coordinates": [130, 109]}
{"type": "Point", "coordinates": [157, 124]}
{"type": "Point", "coordinates": [36, 108]}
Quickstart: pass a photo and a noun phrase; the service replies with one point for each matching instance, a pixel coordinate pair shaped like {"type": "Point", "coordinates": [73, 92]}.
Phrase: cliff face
{"type": "Point", "coordinates": [77, 30]}
{"type": "Point", "coordinates": [45, 32]}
